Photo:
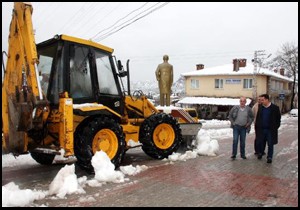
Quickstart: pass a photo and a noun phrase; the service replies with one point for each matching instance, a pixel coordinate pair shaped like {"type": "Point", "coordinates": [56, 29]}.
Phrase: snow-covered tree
{"type": "Point", "coordinates": [287, 58]}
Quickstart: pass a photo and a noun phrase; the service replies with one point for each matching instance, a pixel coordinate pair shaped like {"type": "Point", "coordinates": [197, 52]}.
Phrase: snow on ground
{"type": "Point", "coordinates": [24, 197]}
{"type": "Point", "coordinates": [66, 181]}
{"type": "Point", "coordinates": [8, 160]}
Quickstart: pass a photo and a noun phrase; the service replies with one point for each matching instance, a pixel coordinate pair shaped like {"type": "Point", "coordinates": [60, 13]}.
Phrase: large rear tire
{"type": "Point", "coordinates": [101, 133]}
{"type": "Point", "coordinates": [160, 135]}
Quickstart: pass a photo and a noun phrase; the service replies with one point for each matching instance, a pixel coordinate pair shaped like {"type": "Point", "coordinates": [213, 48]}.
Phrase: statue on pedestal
{"type": "Point", "coordinates": [164, 76]}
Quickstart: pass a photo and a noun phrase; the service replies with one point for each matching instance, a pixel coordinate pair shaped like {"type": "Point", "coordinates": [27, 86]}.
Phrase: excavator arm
{"type": "Point", "coordinates": [23, 104]}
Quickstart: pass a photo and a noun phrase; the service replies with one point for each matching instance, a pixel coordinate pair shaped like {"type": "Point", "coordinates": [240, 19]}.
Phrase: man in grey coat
{"type": "Point", "coordinates": [241, 118]}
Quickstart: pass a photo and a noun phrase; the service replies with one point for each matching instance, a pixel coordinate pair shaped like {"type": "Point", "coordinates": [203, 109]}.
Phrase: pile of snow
{"type": "Point", "coordinates": [206, 145]}
{"type": "Point", "coordinates": [12, 195]}
{"type": "Point", "coordinates": [132, 143]}
{"type": "Point", "coordinates": [182, 157]}
{"type": "Point", "coordinates": [294, 112]}
{"type": "Point", "coordinates": [9, 160]}
{"type": "Point", "coordinates": [105, 169]}
{"type": "Point", "coordinates": [65, 182]}
{"type": "Point", "coordinates": [131, 170]}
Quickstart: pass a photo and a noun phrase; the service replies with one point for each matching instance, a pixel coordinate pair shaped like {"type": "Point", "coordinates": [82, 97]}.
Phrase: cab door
{"type": "Point", "coordinates": [109, 90]}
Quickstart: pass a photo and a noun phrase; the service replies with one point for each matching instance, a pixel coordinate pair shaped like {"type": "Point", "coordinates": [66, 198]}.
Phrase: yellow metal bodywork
{"type": "Point", "coordinates": [21, 93]}
{"type": "Point", "coordinates": [66, 137]}
{"type": "Point", "coordinates": [64, 123]}
{"type": "Point", "coordinates": [192, 112]}
{"type": "Point", "coordinates": [22, 54]}
{"type": "Point", "coordinates": [141, 106]}
{"type": "Point", "coordinates": [131, 132]}
{"type": "Point", "coordinates": [86, 42]}
{"type": "Point", "coordinates": [95, 107]}
{"type": "Point", "coordinates": [5, 126]}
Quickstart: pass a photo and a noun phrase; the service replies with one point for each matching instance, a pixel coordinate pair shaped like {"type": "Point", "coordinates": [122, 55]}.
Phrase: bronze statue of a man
{"type": "Point", "coordinates": [164, 76]}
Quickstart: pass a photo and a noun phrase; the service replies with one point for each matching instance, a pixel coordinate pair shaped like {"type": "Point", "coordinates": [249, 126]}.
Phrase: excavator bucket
{"type": "Point", "coordinates": [15, 137]}
{"type": "Point", "coordinates": [25, 120]}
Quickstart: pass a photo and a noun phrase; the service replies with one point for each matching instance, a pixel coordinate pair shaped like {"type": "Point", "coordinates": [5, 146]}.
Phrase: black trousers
{"type": "Point", "coordinates": [256, 144]}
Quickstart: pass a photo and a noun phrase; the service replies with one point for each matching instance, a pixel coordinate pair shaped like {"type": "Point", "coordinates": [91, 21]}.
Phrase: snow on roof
{"type": "Point", "coordinates": [227, 69]}
{"type": "Point", "coordinates": [212, 101]}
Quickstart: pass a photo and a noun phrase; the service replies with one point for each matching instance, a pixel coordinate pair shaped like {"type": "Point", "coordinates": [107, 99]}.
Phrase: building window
{"type": "Point", "coordinates": [273, 84]}
{"type": "Point", "coordinates": [279, 85]}
{"type": "Point", "coordinates": [218, 83]}
{"type": "Point", "coordinates": [247, 84]}
{"type": "Point", "coordinates": [195, 84]}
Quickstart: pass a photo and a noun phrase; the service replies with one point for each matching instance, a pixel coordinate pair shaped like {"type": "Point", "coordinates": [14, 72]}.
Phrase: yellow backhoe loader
{"type": "Point", "coordinates": [68, 93]}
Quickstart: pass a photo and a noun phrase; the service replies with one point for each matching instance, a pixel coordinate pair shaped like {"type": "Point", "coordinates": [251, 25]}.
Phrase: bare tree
{"type": "Point", "coordinates": [287, 58]}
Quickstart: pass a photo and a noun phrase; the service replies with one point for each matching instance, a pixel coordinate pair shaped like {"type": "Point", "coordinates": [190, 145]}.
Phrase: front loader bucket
{"type": "Point", "coordinates": [189, 133]}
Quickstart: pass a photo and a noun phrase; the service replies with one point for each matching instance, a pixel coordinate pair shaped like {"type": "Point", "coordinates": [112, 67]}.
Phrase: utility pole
{"type": "Point", "coordinates": [256, 61]}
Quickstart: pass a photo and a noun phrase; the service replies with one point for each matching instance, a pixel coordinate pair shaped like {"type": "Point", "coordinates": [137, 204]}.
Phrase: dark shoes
{"type": "Point", "coordinates": [269, 160]}
{"type": "Point", "coordinates": [233, 157]}
{"type": "Point", "coordinates": [259, 157]}
{"type": "Point", "coordinates": [256, 153]}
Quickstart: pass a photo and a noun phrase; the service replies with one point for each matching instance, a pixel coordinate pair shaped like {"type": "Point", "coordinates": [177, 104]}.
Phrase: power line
{"type": "Point", "coordinates": [101, 37]}
{"type": "Point", "coordinates": [87, 20]}
{"type": "Point", "coordinates": [73, 18]}
{"type": "Point", "coordinates": [42, 19]}
{"type": "Point", "coordinates": [105, 16]}
{"type": "Point", "coordinates": [120, 20]}
{"type": "Point", "coordinates": [121, 27]}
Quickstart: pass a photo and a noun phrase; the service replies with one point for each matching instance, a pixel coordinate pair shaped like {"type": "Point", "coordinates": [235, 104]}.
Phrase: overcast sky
{"type": "Point", "coordinates": [209, 33]}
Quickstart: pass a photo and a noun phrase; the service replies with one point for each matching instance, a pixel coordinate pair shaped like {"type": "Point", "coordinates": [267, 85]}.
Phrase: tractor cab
{"type": "Point", "coordinates": [84, 69]}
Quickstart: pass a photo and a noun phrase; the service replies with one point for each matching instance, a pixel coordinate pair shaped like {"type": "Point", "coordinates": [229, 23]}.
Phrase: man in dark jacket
{"type": "Point", "coordinates": [267, 123]}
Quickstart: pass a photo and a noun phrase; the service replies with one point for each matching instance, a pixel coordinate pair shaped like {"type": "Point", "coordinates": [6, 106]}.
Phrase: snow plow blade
{"type": "Point", "coordinates": [189, 132]}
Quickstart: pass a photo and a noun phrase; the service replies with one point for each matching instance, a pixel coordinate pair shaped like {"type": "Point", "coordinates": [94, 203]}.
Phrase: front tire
{"type": "Point", "coordinates": [160, 135]}
{"type": "Point", "coordinates": [101, 133]}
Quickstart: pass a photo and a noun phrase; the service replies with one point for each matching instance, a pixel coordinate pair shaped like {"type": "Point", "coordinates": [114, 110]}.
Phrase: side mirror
{"type": "Point", "coordinates": [122, 73]}
{"type": "Point", "coordinates": [120, 66]}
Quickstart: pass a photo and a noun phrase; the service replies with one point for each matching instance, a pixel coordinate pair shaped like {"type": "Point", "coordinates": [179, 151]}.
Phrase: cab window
{"type": "Point", "coordinates": [80, 73]}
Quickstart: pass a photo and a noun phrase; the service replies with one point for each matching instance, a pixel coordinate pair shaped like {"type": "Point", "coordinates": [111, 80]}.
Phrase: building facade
{"type": "Point", "coordinates": [236, 80]}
